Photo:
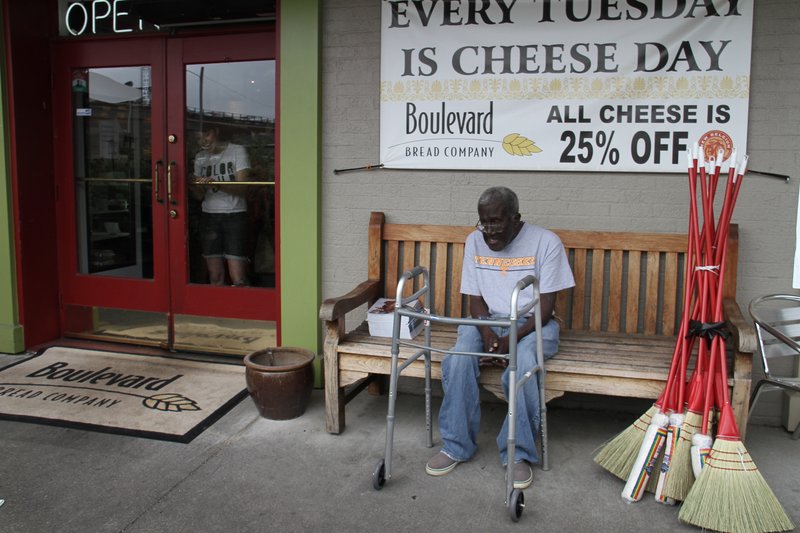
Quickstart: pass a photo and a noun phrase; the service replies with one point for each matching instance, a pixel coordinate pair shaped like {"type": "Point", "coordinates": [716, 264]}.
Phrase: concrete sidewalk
{"type": "Point", "coordinates": [246, 473]}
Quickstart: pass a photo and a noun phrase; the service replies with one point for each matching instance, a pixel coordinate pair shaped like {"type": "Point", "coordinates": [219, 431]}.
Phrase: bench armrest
{"type": "Point", "coordinates": [744, 333]}
{"type": "Point", "coordinates": [335, 308]}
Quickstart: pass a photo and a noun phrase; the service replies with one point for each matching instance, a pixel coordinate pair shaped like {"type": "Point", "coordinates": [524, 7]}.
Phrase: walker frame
{"type": "Point", "coordinates": [514, 498]}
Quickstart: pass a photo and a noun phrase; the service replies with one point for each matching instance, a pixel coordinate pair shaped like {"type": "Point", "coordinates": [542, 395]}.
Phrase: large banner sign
{"type": "Point", "coordinates": [594, 85]}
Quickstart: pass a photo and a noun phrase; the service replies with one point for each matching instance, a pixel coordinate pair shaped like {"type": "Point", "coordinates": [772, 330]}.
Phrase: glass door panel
{"type": "Point", "coordinates": [223, 336]}
{"type": "Point", "coordinates": [230, 147]}
{"type": "Point", "coordinates": [117, 325]}
{"type": "Point", "coordinates": [111, 160]}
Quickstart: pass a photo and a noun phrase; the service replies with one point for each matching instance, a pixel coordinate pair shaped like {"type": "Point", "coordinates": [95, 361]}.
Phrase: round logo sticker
{"type": "Point", "coordinates": [713, 141]}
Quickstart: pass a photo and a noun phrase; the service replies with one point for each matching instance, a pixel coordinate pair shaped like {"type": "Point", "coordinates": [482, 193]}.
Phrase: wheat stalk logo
{"type": "Point", "coordinates": [516, 144]}
{"type": "Point", "coordinates": [170, 402]}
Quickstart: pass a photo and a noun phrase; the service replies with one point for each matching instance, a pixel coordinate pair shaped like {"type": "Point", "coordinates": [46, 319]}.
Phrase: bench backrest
{"type": "Point", "coordinates": [624, 281]}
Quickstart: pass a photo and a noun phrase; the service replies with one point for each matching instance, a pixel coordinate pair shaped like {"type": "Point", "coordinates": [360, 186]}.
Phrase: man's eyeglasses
{"type": "Point", "coordinates": [489, 227]}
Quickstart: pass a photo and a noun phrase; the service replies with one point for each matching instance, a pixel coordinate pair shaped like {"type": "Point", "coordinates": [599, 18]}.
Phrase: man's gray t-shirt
{"type": "Point", "coordinates": [493, 275]}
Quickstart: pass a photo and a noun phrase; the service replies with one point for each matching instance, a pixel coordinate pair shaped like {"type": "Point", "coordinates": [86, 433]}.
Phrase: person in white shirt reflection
{"type": "Point", "coordinates": [223, 224]}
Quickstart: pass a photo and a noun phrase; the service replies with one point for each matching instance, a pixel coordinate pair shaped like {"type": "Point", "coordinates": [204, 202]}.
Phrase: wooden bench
{"type": "Point", "coordinates": [619, 322]}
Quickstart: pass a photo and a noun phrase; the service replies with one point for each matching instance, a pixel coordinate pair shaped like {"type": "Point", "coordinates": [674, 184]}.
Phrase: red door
{"type": "Point", "coordinates": [168, 190]}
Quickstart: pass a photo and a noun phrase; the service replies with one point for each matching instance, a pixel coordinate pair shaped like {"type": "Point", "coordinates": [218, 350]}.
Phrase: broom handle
{"type": "Point", "coordinates": [694, 261]}
{"type": "Point", "coordinates": [726, 206]}
{"type": "Point", "coordinates": [706, 294]}
{"type": "Point", "coordinates": [712, 183]}
{"type": "Point", "coordinates": [669, 395]}
{"type": "Point", "coordinates": [708, 228]}
{"type": "Point", "coordinates": [718, 311]}
{"type": "Point", "coordinates": [691, 279]}
{"type": "Point", "coordinates": [709, 391]}
{"type": "Point", "coordinates": [687, 348]}
{"type": "Point", "coordinates": [676, 377]}
{"type": "Point", "coordinates": [721, 356]}
{"type": "Point", "coordinates": [677, 371]}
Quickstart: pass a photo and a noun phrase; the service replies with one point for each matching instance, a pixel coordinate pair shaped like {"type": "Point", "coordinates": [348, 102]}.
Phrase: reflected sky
{"type": "Point", "coordinates": [243, 88]}
{"type": "Point", "coordinates": [239, 88]}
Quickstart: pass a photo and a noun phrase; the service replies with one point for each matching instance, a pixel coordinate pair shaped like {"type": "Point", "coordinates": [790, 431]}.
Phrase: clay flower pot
{"type": "Point", "coordinates": [280, 381]}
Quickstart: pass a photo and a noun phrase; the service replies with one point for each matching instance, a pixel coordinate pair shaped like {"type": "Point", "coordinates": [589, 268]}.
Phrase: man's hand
{"type": "Point", "coordinates": [497, 345]}
{"type": "Point", "coordinates": [486, 362]}
{"type": "Point", "coordinates": [493, 344]}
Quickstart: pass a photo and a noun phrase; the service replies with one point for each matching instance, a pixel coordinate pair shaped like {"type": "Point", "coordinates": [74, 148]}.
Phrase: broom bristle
{"type": "Point", "coordinates": [679, 476]}
{"type": "Point", "coordinates": [618, 455]}
{"type": "Point", "coordinates": [731, 495]}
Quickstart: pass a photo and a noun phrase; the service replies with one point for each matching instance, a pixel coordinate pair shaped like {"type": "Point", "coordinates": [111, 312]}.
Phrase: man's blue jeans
{"type": "Point", "coordinates": [460, 414]}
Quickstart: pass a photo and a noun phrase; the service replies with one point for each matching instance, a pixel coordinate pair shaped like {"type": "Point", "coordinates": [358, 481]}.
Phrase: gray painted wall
{"type": "Point", "coordinates": [766, 209]}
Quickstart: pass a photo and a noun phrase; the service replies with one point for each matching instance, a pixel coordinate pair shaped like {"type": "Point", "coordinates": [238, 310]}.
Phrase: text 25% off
{"type": "Point", "coordinates": [584, 146]}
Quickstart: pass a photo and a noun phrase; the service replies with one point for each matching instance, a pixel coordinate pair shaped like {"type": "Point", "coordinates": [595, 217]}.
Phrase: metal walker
{"type": "Point", "coordinates": [515, 498]}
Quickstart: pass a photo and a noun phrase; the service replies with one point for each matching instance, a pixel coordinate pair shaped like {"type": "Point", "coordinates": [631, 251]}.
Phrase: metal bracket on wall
{"type": "Point", "coordinates": [770, 174]}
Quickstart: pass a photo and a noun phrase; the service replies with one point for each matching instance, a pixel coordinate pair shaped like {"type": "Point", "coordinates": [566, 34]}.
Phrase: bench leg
{"type": "Point", "coordinates": [379, 385]}
{"type": "Point", "coordinates": [334, 410]}
{"type": "Point", "coordinates": [740, 395]}
{"type": "Point", "coordinates": [334, 394]}
{"type": "Point", "coordinates": [740, 402]}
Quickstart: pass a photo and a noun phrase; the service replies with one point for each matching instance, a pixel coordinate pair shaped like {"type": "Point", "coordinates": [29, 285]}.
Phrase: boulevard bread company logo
{"type": "Point", "coordinates": [105, 380]}
{"type": "Point", "coordinates": [516, 144]}
{"type": "Point", "coordinates": [711, 142]}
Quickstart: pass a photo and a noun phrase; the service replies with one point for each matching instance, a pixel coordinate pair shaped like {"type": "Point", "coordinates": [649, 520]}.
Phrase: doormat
{"type": "Point", "coordinates": [138, 395]}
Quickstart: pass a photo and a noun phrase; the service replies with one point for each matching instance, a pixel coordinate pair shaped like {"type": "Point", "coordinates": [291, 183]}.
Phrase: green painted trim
{"type": "Point", "coordinates": [300, 154]}
{"type": "Point", "coordinates": [11, 333]}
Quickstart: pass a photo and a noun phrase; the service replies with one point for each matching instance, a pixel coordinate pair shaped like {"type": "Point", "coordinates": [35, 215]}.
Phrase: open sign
{"type": "Point", "coordinates": [93, 17]}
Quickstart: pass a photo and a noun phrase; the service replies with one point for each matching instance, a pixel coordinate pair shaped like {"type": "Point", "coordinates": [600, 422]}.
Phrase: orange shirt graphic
{"type": "Point", "coordinates": [504, 263]}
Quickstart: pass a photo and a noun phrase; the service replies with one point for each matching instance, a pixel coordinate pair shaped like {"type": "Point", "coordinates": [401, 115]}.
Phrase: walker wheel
{"type": "Point", "coordinates": [379, 475]}
{"type": "Point", "coordinates": [516, 504]}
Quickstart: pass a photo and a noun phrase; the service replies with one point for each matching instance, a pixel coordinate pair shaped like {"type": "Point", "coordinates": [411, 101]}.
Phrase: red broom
{"type": "Point", "coordinates": [730, 494]}
{"type": "Point", "coordinates": [680, 476]}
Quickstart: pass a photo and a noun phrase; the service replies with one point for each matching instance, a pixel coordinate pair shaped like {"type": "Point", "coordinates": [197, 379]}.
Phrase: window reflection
{"type": "Point", "coordinates": [112, 154]}
{"type": "Point", "coordinates": [230, 135]}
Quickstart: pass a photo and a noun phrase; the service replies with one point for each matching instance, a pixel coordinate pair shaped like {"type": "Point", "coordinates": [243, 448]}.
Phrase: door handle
{"type": "Point", "coordinates": [170, 197]}
{"type": "Point", "coordinates": [157, 180]}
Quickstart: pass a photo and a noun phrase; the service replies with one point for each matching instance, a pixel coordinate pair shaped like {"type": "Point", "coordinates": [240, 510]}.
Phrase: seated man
{"type": "Point", "coordinates": [503, 250]}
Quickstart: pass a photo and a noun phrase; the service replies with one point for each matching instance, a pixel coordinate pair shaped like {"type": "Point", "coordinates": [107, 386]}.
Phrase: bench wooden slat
{"type": "Point", "coordinates": [457, 259]}
{"type": "Point", "coordinates": [670, 294]}
{"type": "Point", "coordinates": [579, 291]}
{"type": "Point", "coordinates": [598, 277]}
{"type": "Point", "coordinates": [375, 252]}
{"type": "Point", "coordinates": [633, 241]}
{"type": "Point", "coordinates": [392, 254]}
{"type": "Point", "coordinates": [561, 309]}
{"type": "Point", "coordinates": [651, 294]}
{"type": "Point", "coordinates": [614, 290]}
{"type": "Point", "coordinates": [423, 232]}
{"type": "Point", "coordinates": [632, 301]}
{"type": "Point", "coordinates": [425, 261]}
{"type": "Point", "coordinates": [409, 262]}
{"type": "Point", "coordinates": [440, 281]}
